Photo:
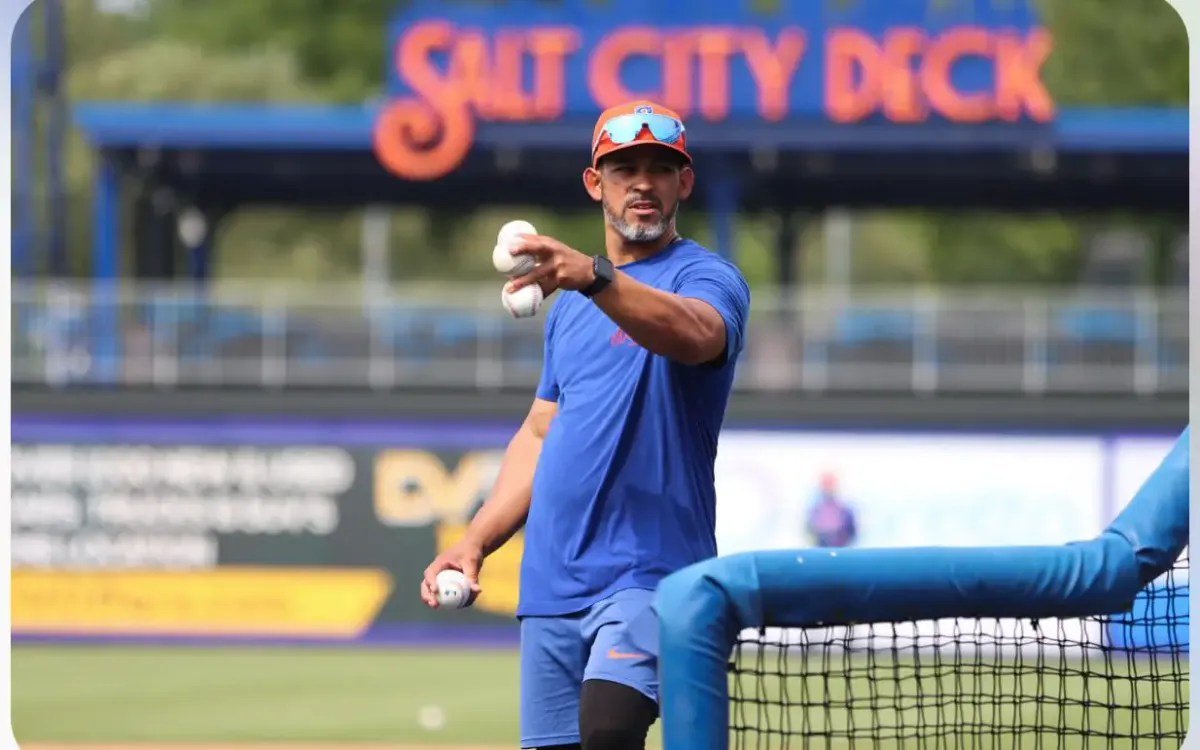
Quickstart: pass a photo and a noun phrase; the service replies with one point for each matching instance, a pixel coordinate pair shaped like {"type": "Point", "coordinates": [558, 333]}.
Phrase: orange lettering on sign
{"type": "Point", "coordinates": [604, 68]}
{"type": "Point", "coordinates": [902, 100]}
{"type": "Point", "coordinates": [908, 77]}
{"type": "Point", "coordinates": [1019, 85]}
{"type": "Point", "coordinates": [940, 56]}
{"type": "Point", "coordinates": [773, 68]}
{"type": "Point", "coordinates": [506, 99]}
{"type": "Point", "coordinates": [678, 52]}
{"type": "Point", "coordinates": [470, 73]}
{"type": "Point", "coordinates": [711, 49]}
{"type": "Point", "coordinates": [427, 135]}
{"type": "Point", "coordinates": [550, 48]}
{"type": "Point", "coordinates": [852, 75]}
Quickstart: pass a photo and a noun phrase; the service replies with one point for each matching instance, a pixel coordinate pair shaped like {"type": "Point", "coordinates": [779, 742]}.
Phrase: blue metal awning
{"type": "Point", "coordinates": [308, 127]}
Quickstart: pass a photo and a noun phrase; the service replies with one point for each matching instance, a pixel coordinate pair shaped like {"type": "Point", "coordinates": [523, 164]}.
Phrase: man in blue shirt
{"type": "Point", "coordinates": [611, 473]}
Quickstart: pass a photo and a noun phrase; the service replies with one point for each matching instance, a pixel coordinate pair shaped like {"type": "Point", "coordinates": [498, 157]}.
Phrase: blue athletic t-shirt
{"type": "Point", "coordinates": [624, 494]}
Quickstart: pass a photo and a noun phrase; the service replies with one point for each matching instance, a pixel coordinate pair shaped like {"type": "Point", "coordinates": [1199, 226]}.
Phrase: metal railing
{"type": "Point", "coordinates": [433, 335]}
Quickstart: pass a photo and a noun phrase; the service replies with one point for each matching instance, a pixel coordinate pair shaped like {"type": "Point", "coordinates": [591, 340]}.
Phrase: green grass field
{"type": "Point", "coordinates": [143, 694]}
{"type": "Point", "coordinates": [126, 694]}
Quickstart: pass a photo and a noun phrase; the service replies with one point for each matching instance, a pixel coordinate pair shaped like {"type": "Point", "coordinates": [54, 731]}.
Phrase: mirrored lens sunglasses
{"type": "Point", "coordinates": [624, 129]}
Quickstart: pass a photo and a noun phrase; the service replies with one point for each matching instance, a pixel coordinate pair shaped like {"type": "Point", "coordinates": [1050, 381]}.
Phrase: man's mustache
{"type": "Point", "coordinates": [643, 199]}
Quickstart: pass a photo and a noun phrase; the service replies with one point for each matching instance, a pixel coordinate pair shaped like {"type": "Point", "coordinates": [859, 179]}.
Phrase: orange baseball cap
{"type": "Point", "coordinates": [603, 143]}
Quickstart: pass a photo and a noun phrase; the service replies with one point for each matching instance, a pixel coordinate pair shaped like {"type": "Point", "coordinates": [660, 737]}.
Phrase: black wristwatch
{"type": "Point", "coordinates": [603, 269]}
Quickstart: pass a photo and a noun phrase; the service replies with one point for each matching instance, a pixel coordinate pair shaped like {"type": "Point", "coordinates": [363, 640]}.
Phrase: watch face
{"type": "Point", "coordinates": [603, 268]}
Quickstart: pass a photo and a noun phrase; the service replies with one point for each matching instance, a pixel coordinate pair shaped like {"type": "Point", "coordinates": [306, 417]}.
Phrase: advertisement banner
{"type": "Point", "coordinates": [233, 540]}
{"type": "Point", "coordinates": [304, 531]}
{"type": "Point", "coordinates": [297, 601]}
{"type": "Point", "coordinates": [785, 490]}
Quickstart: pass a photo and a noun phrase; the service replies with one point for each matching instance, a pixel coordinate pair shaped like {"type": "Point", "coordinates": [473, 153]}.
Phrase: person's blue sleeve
{"type": "Point", "coordinates": [720, 284]}
{"type": "Point", "coordinates": [547, 389]}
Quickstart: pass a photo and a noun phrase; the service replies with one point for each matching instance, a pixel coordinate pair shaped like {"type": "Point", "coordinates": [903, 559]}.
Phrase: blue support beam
{"type": "Point", "coordinates": [24, 101]}
{"type": "Point", "coordinates": [723, 198]}
{"type": "Point", "coordinates": [106, 242]}
{"type": "Point", "coordinates": [51, 74]}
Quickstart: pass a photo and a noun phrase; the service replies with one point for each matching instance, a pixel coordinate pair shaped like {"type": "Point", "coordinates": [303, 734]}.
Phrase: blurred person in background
{"type": "Point", "coordinates": [612, 473]}
{"type": "Point", "coordinates": [831, 521]}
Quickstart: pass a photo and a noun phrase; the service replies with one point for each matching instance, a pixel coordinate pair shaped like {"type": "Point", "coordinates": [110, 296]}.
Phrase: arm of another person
{"type": "Point", "coordinates": [703, 322]}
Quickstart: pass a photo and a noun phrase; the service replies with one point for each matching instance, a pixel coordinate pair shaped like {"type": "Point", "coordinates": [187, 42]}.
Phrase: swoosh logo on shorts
{"type": "Point", "coordinates": [615, 654]}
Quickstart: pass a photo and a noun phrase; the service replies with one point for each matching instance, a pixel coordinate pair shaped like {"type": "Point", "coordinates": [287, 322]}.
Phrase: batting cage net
{"type": "Point", "coordinates": [1078, 645]}
{"type": "Point", "coordinates": [1116, 681]}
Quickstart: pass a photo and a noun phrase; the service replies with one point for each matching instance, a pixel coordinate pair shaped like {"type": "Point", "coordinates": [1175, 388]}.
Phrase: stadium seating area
{"type": "Point", "coordinates": [1000, 346]}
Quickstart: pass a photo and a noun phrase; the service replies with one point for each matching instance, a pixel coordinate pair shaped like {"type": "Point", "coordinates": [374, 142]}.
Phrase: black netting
{"type": "Point", "coordinates": [1101, 682]}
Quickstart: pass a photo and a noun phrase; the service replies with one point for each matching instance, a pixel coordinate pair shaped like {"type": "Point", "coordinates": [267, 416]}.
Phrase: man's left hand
{"type": "Point", "coordinates": [559, 266]}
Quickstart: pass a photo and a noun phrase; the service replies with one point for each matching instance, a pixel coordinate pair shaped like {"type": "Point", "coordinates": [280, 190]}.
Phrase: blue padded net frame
{"type": "Point", "coordinates": [978, 685]}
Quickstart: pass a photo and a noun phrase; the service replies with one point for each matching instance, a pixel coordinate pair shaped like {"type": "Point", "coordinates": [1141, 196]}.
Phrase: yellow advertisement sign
{"type": "Point", "coordinates": [501, 574]}
{"type": "Point", "coordinates": [298, 602]}
{"type": "Point", "coordinates": [417, 488]}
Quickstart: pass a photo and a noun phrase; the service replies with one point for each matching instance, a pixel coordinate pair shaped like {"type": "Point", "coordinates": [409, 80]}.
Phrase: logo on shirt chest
{"type": "Point", "coordinates": [620, 338]}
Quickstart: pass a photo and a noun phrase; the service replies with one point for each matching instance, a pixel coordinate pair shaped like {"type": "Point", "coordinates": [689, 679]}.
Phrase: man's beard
{"type": "Point", "coordinates": [639, 232]}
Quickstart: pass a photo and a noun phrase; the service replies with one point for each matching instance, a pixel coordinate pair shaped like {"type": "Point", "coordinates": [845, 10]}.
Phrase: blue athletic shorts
{"type": "Point", "coordinates": [611, 640]}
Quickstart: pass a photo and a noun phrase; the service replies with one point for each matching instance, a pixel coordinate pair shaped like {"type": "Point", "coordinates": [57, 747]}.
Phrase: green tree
{"type": "Point", "coordinates": [339, 45]}
{"type": "Point", "coordinates": [169, 70]}
{"type": "Point", "coordinates": [92, 33]}
{"type": "Point", "coordinates": [1115, 52]}
{"type": "Point", "coordinates": [1107, 53]}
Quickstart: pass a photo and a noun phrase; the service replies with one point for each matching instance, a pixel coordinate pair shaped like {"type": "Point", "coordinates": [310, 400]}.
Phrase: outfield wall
{"type": "Point", "coordinates": [318, 529]}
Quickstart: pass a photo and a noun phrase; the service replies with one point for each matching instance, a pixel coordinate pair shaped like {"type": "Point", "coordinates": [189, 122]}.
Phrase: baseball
{"type": "Point", "coordinates": [513, 228]}
{"type": "Point", "coordinates": [504, 261]}
{"type": "Point", "coordinates": [523, 303]}
{"type": "Point", "coordinates": [452, 589]}
{"type": "Point", "coordinates": [509, 264]}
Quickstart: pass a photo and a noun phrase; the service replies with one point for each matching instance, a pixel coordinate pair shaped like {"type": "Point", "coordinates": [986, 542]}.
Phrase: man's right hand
{"type": "Point", "coordinates": [505, 510]}
{"type": "Point", "coordinates": [464, 556]}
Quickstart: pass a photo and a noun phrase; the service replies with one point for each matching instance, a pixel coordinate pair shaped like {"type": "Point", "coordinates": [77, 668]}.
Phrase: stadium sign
{"type": "Point", "coordinates": [452, 67]}
{"type": "Point", "coordinates": [277, 529]}
{"type": "Point", "coordinates": [198, 537]}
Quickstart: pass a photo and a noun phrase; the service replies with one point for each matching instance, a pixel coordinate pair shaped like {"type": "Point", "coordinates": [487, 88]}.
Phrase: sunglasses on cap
{"type": "Point", "coordinates": [624, 129]}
